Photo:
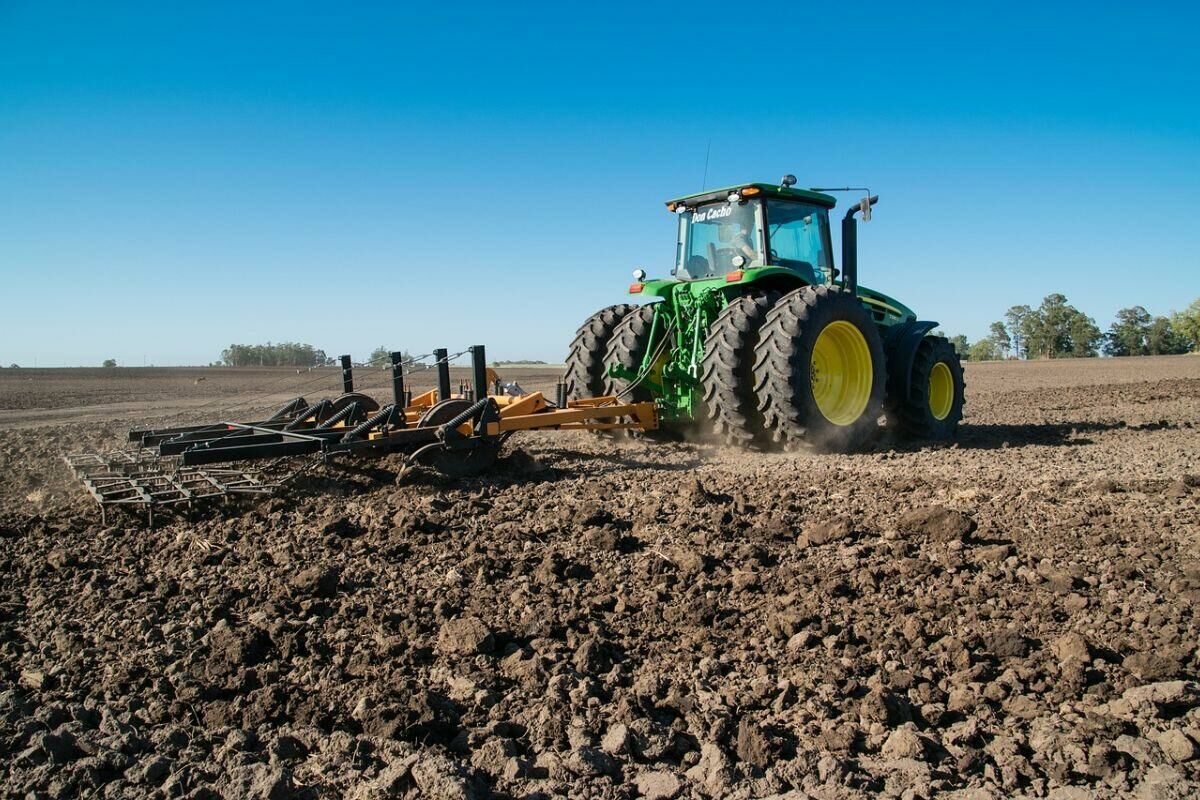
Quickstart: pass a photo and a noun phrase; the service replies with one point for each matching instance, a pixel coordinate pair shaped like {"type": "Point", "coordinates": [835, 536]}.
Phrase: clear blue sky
{"type": "Point", "coordinates": [176, 177]}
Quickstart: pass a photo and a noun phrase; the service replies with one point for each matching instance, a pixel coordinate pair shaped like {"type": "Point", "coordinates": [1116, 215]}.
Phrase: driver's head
{"type": "Point", "coordinates": [728, 231]}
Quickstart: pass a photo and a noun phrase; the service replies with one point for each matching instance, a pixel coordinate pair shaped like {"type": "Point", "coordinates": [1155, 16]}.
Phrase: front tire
{"type": "Point", "coordinates": [819, 371]}
{"type": "Point", "coordinates": [936, 394]}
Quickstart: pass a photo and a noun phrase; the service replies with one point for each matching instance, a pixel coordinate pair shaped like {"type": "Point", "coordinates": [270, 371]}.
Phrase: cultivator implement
{"type": "Point", "coordinates": [459, 434]}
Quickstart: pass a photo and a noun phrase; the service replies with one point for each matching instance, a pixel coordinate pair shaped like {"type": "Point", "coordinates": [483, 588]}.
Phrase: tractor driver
{"type": "Point", "coordinates": [739, 239]}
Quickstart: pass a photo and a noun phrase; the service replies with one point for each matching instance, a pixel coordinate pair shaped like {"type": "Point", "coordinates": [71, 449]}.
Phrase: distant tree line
{"type": "Point", "coordinates": [284, 354]}
{"type": "Point", "coordinates": [1137, 333]}
{"type": "Point", "coordinates": [1056, 329]}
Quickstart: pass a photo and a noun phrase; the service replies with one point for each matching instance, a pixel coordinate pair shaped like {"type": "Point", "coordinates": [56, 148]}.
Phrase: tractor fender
{"type": "Point", "coordinates": [900, 343]}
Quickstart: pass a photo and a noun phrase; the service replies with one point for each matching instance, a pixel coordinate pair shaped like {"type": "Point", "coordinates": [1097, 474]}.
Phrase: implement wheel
{"type": "Point", "coordinates": [819, 371]}
{"type": "Point", "coordinates": [585, 363]}
{"type": "Point", "coordinates": [452, 462]}
{"type": "Point", "coordinates": [936, 393]}
{"type": "Point", "coordinates": [727, 377]}
{"type": "Point", "coordinates": [368, 405]}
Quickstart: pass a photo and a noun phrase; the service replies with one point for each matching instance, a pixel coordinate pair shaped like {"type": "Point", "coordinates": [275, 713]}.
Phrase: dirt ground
{"type": "Point", "coordinates": [1011, 615]}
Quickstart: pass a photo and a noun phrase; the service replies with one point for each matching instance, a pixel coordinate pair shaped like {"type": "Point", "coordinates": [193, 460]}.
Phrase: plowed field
{"type": "Point", "coordinates": [1013, 614]}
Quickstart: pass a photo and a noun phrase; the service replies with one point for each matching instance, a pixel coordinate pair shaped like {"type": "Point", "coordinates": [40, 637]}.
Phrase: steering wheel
{"type": "Point", "coordinates": [774, 255]}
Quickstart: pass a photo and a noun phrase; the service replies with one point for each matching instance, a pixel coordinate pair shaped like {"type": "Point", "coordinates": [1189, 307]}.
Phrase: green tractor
{"type": "Point", "coordinates": [758, 338]}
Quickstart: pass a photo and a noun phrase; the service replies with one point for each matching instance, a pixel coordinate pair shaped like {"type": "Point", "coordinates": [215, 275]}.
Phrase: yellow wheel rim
{"type": "Point", "coordinates": [842, 373]}
{"type": "Point", "coordinates": [941, 390]}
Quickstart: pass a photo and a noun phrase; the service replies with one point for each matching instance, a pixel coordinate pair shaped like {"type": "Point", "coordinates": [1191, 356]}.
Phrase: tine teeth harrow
{"type": "Point", "coordinates": [457, 434]}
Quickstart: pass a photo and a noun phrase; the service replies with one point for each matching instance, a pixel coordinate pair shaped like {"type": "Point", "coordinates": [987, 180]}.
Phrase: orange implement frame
{"type": "Point", "coordinates": [531, 412]}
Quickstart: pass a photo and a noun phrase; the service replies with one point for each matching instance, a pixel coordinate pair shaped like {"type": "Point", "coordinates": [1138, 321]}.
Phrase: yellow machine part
{"type": "Point", "coordinates": [842, 372]}
{"type": "Point", "coordinates": [941, 391]}
{"type": "Point", "coordinates": [531, 412]}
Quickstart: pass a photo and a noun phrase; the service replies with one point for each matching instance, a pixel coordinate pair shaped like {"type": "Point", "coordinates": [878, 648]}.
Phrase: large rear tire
{"type": "Point", "coordinates": [628, 347]}
{"type": "Point", "coordinates": [731, 404]}
{"type": "Point", "coordinates": [936, 393]}
{"type": "Point", "coordinates": [819, 371]}
{"type": "Point", "coordinates": [585, 375]}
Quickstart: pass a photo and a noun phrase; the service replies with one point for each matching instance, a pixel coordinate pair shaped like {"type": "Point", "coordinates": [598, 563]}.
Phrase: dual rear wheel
{"type": "Point", "coordinates": [819, 373]}
{"type": "Point", "coordinates": [807, 368]}
{"type": "Point", "coordinates": [586, 374]}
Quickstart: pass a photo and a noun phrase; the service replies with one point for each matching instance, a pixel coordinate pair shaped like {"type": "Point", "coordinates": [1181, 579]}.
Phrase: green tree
{"type": "Point", "coordinates": [109, 363]}
{"type": "Point", "coordinates": [1163, 340]}
{"type": "Point", "coordinates": [961, 346]}
{"type": "Point", "coordinates": [985, 350]}
{"type": "Point", "coordinates": [1083, 335]}
{"type": "Point", "coordinates": [382, 356]}
{"type": "Point", "coordinates": [1051, 335]}
{"type": "Point", "coordinates": [1127, 335]}
{"type": "Point", "coordinates": [1186, 325]}
{"type": "Point", "coordinates": [1018, 321]}
{"type": "Point", "coordinates": [1057, 329]}
{"type": "Point", "coordinates": [998, 335]}
{"type": "Point", "coordinates": [285, 354]}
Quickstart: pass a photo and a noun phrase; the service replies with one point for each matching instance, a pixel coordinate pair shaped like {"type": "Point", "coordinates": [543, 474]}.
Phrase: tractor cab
{"type": "Point", "coordinates": [754, 226]}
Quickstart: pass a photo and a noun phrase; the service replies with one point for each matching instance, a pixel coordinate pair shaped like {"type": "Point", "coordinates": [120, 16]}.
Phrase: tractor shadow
{"type": "Point", "coordinates": [998, 437]}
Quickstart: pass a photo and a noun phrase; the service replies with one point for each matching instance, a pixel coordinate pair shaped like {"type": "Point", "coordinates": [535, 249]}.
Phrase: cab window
{"type": "Point", "coordinates": [712, 236]}
{"type": "Point", "coordinates": [798, 235]}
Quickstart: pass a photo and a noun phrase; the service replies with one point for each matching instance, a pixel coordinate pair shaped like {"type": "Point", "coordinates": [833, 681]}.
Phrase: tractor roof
{"type": "Point", "coordinates": [757, 189]}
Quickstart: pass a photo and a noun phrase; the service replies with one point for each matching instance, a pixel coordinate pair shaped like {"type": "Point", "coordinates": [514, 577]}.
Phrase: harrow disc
{"type": "Point", "coordinates": [451, 461]}
{"type": "Point", "coordinates": [367, 404]}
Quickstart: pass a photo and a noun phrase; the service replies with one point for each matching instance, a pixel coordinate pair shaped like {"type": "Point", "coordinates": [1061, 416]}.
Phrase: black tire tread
{"type": "Point", "coordinates": [778, 372]}
{"type": "Point", "coordinates": [627, 347]}
{"type": "Point", "coordinates": [727, 370]}
{"type": "Point", "coordinates": [912, 413]}
{"type": "Point", "coordinates": [585, 375]}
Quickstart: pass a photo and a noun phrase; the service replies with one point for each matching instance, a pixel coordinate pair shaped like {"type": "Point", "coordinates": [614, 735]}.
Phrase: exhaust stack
{"type": "Point", "coordinates": [850, 242]}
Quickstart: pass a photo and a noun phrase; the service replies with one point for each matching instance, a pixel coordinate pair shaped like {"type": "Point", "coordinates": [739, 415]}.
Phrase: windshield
{"type": "Point", "coordinates": [798, 235]}
{"type": "Point", "coordinates": [711, 236]}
